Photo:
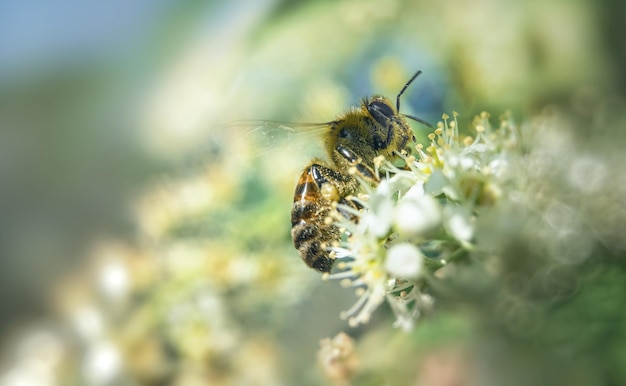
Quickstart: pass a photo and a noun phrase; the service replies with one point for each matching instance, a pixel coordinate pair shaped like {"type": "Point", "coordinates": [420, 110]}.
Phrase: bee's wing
{"type": "Point", "coordinates": [262, 138]}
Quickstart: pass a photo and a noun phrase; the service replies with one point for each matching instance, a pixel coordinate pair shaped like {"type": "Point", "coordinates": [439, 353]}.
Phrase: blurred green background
{"type": "Point", "coordinates": [143, 241]}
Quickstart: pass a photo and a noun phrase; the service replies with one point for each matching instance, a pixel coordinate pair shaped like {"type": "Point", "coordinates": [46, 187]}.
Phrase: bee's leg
{"type": "Point", "coordinates": [360, 168]}
{"type": "Point", "coordinates": [332, 184]}
{"type": "Point", "coordinates": [351, 203]}
{"type": "Point", "coordinates": [337, 187]}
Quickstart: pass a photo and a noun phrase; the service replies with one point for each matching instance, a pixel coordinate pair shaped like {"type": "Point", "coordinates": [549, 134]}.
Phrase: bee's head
{"type": "Point", "coordinates": [390, 132]}
{"type": "Point", "coordinates": [378, 128]}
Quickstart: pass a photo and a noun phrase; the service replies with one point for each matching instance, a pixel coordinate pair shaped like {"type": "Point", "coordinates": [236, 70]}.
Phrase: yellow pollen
{"type": "Point", "coordinates": [445, 116]}
{"type": "Point", "coordinates": [480, 128]}
{"type": "Point", "coordinates": [419, 146]}
{"type": "Point", "coordinates": [329, 192]}
{"type": "Point", "coordinates": [379, 161]}
{"type": "Point", "coordinates": [468, 140]}
{"type": "Point", "coordinates": [431, 136]}
{"type": "Point", "coordinates": [439, 131]}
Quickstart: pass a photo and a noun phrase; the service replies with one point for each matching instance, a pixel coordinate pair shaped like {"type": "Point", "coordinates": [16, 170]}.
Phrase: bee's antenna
{"type": "Point", "coordinates": [416, 119]}
{"type": "Point", "coordinates": [404, 88]}
{"type": "Point", "coordinates": [423, 122]}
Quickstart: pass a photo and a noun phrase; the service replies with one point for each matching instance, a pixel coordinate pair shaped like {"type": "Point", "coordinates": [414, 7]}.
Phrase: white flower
{"type": "Point", "coordinates": [415, 192]}
{"type": "Point", "coordinates": [378, 219]}
{"type": "Point", "coordinates": [436, 183]}
{"type": "Point", "coordinates": [428, 209]}
{"type": "Point", "coordinates": [404, 261]}
{"type": "Point", "coordinates": [417, 216]}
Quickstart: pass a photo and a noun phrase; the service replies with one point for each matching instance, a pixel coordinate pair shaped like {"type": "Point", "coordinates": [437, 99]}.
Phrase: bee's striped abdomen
{"type": "Point", "coordinates": [312, 235]}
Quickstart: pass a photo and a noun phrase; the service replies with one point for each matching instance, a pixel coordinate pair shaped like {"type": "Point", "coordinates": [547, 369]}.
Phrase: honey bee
{"type": "Point", "coordinates": [351, 141]}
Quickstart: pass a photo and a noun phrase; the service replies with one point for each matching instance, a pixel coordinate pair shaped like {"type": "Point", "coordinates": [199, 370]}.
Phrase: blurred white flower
{"type": "Point", "coordinates": [87, 321]}
{"type": "Point", "coordinates": [37, 358]}
{"type": "Point", "coordinates": [114, 279]}
{"type": "Point", "coordinates": [416, 216]}
{"type": "Point", "coordinates": [404, 261]}
{"type": "Point", "coordinates": [588, 174]}
{"type": "Point", "coordinates": [459, 223]}
{"type": "Point", "coordinates": [338, 359]}
{"type": "Point", "coordinates": [102, 363]}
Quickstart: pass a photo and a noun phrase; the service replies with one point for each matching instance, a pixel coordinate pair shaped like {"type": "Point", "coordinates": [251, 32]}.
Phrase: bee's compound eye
{"type": "Point", "coordinates": [380, 111]}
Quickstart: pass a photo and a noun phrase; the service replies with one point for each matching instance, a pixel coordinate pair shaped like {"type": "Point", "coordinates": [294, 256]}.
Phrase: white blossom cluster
{"type": "Point", "coordinates": [421, 217]}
